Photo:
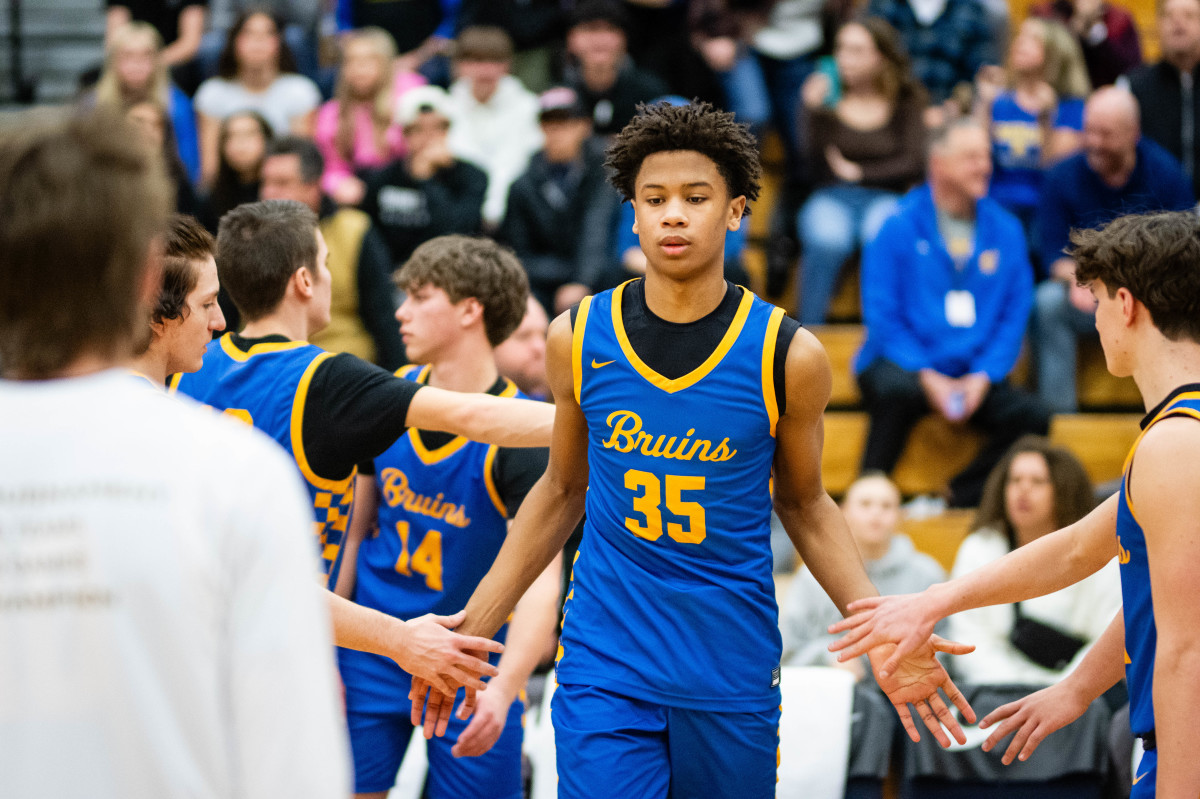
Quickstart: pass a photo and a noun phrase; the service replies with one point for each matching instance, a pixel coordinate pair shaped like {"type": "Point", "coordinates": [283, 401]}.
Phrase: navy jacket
{"type": "Point", "coordinates": [1073, 196]}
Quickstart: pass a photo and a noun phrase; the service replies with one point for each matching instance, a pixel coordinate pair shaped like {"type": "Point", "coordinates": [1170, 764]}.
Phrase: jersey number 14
{"type": "Point", "coordinates": [426, 560]}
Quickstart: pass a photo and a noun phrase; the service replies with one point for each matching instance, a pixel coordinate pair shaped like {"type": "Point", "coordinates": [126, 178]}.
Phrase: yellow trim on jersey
{"type": "Point", "coordinates": [1170, 410]}
{"type": "Point", "coordinates": [691, 378]}
{"type": "Point", "coordinates": [577, 346]}
{"type": "Point", "coordinates": [406, 371]}
{"type": "Point", "coordinates": [489, 480]}
{"type": "Point", "coordinates": [768, 367]}
{"type": "Point", "coordinates": [173, 382]}
{"type": "Point", "coordinates": [324, 483]}
{"type": "Point", "coordinates": [432, 456]}
{"type": "Point", "coordinates": [233, 351]}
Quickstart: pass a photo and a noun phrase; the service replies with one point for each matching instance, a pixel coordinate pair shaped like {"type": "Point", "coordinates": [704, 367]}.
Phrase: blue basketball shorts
{"type": "Point", "coordinates": [612, 746]}
{"type": "Point", "coordinates": [378, 743]}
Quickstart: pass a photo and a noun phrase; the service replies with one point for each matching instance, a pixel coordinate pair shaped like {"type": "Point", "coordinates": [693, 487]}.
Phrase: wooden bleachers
{"type": "Point", "coordinates": [938, 449]}
{"type": "Point", "coordinates": [940, 536]}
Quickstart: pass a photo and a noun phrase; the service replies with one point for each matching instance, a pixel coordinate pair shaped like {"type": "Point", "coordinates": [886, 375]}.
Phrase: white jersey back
{"type": "Point", "coordinates": [162, 632]}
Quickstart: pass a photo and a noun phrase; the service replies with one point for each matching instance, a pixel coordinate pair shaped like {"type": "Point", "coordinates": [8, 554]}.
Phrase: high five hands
{"type": "Point", "coordinates": [914, 678]}
{"type": "Point", "coordinates": [896, 633]}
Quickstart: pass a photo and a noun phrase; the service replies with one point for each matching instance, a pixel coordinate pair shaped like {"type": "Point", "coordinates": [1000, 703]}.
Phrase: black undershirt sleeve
{"type": "Point", "coordinates": [515, 470]}
{"type": "Point", "coordinates": [354, 411]}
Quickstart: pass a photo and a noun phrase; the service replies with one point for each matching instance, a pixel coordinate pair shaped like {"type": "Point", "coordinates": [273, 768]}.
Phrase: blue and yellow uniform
{"type": "Point", "coordinates": [1141, 633]}
{"type": "Point", "coordinates": [266, 385]}
{"type": "Point", "coordinates": [442, 522]}
{"type": "Point", "coordinates": [669, 663]}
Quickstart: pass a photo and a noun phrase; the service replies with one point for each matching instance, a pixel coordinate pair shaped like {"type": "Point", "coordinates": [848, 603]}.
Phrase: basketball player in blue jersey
{"type": "Point", "coordinates": [333, 411]}
{"type": "Point", "coordinates": [677, 395]}
{"type": "Point", "coordinates": [1145, 274]}
{"type": "Point", "coordinates": [186, 313]}
{"type": "Point", "coordinates": [442, 504]}
{"type": "Point", "coordinates": [182, 322]}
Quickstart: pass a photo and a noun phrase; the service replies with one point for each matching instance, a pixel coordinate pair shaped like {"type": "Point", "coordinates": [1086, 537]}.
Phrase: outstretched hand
{"type": "Point", "coordinates": [915, 681]}
{"type": "Point", "coordinates": [443, 659]}
{"type": "Point", "coordinates": [904, 620]}
{"type": "Point", "coordinates": [1032, 718]}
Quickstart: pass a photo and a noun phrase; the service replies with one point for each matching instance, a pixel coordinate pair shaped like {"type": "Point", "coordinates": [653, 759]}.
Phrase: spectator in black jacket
{"type": "Point", "coordinates": [599, 68]}
{"type": "Point", "coordinates": [428, 192]}
{"type": "Point", "coordinates": [1167, 92]}
{"type": "Point", "coordinates": [561, 212]}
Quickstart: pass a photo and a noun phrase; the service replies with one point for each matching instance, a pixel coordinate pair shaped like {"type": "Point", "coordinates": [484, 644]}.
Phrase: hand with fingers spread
{"type": "Point", "coordinates": [1032, 718]}
{"type": "Point", "coordinates": [904, 620]}
{"type": "Point", "coordinates": [915, 681]}
{"type": "Point", "coordinates": [431, 652]}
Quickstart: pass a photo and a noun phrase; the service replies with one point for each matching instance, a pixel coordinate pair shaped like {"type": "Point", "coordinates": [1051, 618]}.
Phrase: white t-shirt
{"type": "Point", "coordinates": [1083, 609]}
{"type": "Point", "coordinates": [288, 97]}
{"type": "Point", "coordinates": [162, 631]}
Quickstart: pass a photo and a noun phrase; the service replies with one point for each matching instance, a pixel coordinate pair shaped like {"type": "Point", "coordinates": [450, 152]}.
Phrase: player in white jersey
{"type": "Point", "coordinates": [161, 632]}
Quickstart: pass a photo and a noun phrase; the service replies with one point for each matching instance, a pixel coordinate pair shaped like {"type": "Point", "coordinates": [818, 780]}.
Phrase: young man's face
{"type": "Point", "coordinates": [186, 338]}
{"type": "Point", "coordinates": [283, 179]}
{"type": "Point", "coordinates": [1110, 324]}
{"type": "Point", "coordinates": [872, 511]}
{"type": "Point", "coordinates": [682, 211]}
{"type": "Point", "coordinates": [429, 322]}
{"type": "Point", "coordinates": [322, 305]}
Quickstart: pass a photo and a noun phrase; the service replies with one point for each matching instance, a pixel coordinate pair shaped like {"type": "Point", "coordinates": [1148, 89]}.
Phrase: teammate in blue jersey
{"type": "Point", "coordinates": [186, 313]}
{"type": "Point", "coordinates": [332, 412]}
{"type": "Point", "coordinates": [442, 504]}
{"type": "Point", "coordinates": [1145, 274]}
{"type": "Point", "coordinates": [677, 396]}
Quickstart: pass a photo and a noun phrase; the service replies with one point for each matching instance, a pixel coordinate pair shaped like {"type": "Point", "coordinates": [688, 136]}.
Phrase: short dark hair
{"type": "Point", "coordinates": [312, 163]}
{"type": "Point", "coordinates": [81, 198]}
{"type": "Point", "coordinates": [259, 247]}
{"type": "Point", "coordinates": [1073, 495]}
{"type": "Point", "coordinates": [483, 43]}
{"type": "Point", "coordinates": [227, 64]}
{"type": "Point", "coordinates": [185, 242]}
{"type": "Point", "coordinates": [1156, 257]}
{"type": "Point", "coordinates": [696, 126]}
{"type": "Point", "coordinates": [463, 266]}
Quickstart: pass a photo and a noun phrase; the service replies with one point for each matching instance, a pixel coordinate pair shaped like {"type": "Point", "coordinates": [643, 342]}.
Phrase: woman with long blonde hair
{"type": "Point", "coordinates": [355, 130]}
{"type": "Point", "coordinates": [134, 72]}
{"type": "Point", "coordinates": [1033, 108]}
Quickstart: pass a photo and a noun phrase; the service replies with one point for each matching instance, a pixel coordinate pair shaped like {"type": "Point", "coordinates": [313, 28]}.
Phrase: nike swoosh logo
{"type": "Point", "coordinates": [598, 365]}
{"type": "Point", "coordinates": [1137, 777]}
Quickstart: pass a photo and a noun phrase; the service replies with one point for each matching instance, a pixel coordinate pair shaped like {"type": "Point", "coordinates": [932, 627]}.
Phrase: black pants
{"type": "Point", "coordinates": [895, 400]}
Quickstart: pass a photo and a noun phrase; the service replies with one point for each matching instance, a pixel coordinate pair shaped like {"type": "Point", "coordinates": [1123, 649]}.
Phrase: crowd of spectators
{"type": "Point", "coordinates": [491, 117]}
{"type": "Point", "coordinates": [942, 147]}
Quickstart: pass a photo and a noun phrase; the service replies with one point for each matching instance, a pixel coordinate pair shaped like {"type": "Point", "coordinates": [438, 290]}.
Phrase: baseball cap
{"type": "Point", "coordinates": [421, 100]}
{"type": "Point", "coordinates": [560, 103]}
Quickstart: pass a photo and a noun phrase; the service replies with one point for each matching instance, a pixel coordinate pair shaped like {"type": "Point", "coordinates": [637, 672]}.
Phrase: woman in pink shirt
{"type": "Point", "coordinates": [355, 130]}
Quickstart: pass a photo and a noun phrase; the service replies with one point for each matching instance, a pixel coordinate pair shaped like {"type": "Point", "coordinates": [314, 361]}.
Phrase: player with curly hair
{"type": "Point", "coordinates": [677, 396]}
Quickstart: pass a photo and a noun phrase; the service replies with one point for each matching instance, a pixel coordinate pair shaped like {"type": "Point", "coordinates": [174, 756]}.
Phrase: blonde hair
{"type": "Point", "coordinates": [384, 47]}
{"type": "Point", "coordinates": [109, 92]}
{"type": "Point", "coordinates": [1063, 66]}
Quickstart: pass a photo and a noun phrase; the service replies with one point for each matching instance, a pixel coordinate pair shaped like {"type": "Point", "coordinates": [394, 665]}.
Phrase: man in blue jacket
{"type": "Point", "coordinates": [947, 289]}
{"type": "Point", "coordinates": [1119, 172]}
